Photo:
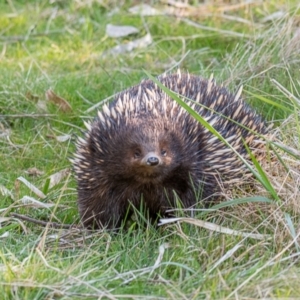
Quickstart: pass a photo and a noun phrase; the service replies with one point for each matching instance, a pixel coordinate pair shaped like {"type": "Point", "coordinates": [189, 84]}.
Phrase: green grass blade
{"type": "Point", "coordinates": [270, 102]}
{"type": "Point", "coordinates": [261, 175]}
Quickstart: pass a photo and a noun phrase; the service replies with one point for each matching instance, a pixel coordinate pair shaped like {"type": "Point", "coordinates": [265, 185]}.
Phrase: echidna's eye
{"type": "Point", "coordinates": [163, 152]}
{"type": "Point", "coordinates": [137, 154]}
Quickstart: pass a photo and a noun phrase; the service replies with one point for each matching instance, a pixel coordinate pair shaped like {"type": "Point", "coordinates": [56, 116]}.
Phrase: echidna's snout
{"type": "Point", "coordinates": [151, 159]}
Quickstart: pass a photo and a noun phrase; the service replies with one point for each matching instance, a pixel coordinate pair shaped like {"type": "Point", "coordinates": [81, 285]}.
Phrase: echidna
{"type": "Point", "coordinates": [146, 147]}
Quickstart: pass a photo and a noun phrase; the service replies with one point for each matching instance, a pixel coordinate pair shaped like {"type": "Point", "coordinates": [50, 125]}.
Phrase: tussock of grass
{"type": "Point", "coordinates": [59, 46]}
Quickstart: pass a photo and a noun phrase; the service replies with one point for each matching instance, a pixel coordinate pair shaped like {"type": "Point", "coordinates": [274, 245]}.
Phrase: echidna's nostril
{"type": "Point", "coordinates": [152, 161]}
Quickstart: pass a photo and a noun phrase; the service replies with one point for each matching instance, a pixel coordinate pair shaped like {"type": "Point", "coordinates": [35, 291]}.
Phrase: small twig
{"type": "Point", "coordinates": [208, 28]}
{"type": "Point", "coordinates": [27, 116]}
{"type": "Point", "coordinates": [43, 223]}
{"type": "Point", "coordinates": [16, 38]}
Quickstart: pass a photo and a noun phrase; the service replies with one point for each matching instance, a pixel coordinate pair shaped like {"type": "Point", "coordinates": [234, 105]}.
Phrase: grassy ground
{"type": "Point", "coordinates": [62, 46]}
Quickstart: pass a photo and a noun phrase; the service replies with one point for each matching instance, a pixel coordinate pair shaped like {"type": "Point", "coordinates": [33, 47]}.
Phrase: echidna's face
{"type": "Point", "coordinates": [151, 154]}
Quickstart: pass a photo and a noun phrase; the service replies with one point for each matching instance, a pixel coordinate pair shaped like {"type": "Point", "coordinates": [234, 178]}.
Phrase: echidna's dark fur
{"type": "Point", "coordinates": [145, 147]}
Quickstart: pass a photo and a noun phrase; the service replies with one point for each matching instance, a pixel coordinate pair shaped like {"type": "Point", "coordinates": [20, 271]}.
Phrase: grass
{"type": "Point", "coordinates": [62, 46]}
